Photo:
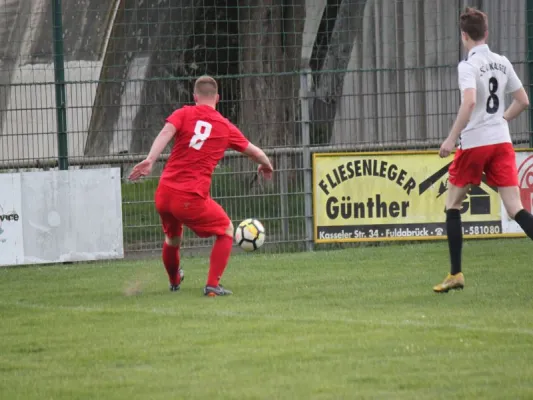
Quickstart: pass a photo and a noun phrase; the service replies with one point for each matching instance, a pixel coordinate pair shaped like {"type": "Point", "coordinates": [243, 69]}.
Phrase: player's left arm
{"type": "Point", "coordinates": [173, 125]}
{"type": "Point", "coordinates": [161, 141]}
{"type": "Point", "coordinates": [467, 84]}
{"type": "Point", "coordinates": [464, 113]}
{"type": "Point", "coordinates": [144, 168]}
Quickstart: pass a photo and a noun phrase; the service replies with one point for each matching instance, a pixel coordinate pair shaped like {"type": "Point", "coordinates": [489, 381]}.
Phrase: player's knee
{"type": "Point", "coordinates": [512, 204]}
{"type": "Point", "coordinates": [454, 204]}
{"type": "Point", "coordinates": [229, 230]}
{"type": "Point", "coordinates": [173, 241]}
{"type": "Point", "coordinates": [455, 199]}
{"type": "Point", "coordinates": [512, 210]}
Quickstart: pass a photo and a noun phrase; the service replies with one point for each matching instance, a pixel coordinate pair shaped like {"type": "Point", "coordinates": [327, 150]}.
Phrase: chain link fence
{"type": "Point", "coordinates": [90, 82]}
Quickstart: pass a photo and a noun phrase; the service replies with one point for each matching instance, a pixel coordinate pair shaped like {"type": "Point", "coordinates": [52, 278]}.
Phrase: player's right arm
{"type": "Point", "coordinates": [238, 142]}
{"type": "Point", "coordinates": [520, 98]}
{"type": "Point", "coordinates": [259, 156]}
{"type": "Point", "coordinates": [519, 104]}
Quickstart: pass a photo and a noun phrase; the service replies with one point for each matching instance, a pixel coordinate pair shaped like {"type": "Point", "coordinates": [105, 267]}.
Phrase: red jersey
{"type": "Point", "coordinates": [202, 137]}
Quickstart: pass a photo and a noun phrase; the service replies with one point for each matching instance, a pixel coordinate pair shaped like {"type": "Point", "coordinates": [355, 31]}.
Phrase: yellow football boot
{"type": "Point", "coordinates": [452, 282]}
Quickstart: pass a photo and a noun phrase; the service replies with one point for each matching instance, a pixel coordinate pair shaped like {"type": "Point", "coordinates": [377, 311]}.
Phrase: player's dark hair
{"type": "Point", "coordinates": [206, 86]}
{"type": "Point", "coordinates": [474, 23]}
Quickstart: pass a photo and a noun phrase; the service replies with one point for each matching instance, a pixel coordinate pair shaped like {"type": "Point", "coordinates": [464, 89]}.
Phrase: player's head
{"type": "Point", "coordinates": [474, 27]}
{"type": "Point", "coordinates": [206, 91]}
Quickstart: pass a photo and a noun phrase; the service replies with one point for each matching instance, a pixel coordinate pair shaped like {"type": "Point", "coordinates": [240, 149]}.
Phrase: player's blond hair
{"type": "Point", "coordinates": [206, 86]}
{"type": "Point", "coordinates": [474, 23]}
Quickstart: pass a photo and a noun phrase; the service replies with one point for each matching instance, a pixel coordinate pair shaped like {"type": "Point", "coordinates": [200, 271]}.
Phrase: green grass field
{"type": "Point", "coordinates": [348, 324]}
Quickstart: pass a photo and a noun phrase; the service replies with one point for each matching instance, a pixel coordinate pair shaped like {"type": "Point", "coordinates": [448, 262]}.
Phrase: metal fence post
{"type": "Point", "coordinates": [529, 38]}
{"type": "Point", "coordinates": [59, 75]}
{"type": "Point", "coordinates": [284, 196]}
{"type": "Point", "coordinates": [305, 78]}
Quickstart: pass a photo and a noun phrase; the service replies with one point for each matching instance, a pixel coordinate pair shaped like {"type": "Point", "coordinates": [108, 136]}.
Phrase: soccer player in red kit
{"type": "Point", "coordinates": [485, 142]}
{"type": "Point", "coordinates": [201, 136]}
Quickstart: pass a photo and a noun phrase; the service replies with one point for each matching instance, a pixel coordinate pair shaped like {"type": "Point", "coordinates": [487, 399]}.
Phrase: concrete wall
{"type": "Point", "coordinates": [27, 95]}
{"type": "Point", "coordinates": [385, 95]}
{"type": "Point", "coordinates": [401, 102]}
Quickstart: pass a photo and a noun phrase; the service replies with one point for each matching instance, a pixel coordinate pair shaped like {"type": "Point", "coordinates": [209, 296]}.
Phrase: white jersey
{"type": "Point", "coordinates": [492, 75]}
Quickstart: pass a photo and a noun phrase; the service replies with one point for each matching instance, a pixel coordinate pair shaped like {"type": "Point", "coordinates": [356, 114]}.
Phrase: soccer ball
{"type": "Point", "coordinates": [250, 234]}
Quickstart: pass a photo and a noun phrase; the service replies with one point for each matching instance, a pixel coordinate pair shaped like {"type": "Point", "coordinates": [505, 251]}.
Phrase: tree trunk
{"type": "Point", "coordinates": [348, 25]}
{"type": "Point", "coordinates": [16, 17]}
{"type": "Point", "coordinates": [270, 43]}
{"type": "Point", "coordinates": [160, 95]}
{"type": "Point", "coordinates": [134, 46]}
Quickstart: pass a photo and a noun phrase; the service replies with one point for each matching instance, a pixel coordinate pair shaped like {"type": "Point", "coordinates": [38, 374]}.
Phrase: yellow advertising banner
{"type": "Point", "coordinates": [393, 196]}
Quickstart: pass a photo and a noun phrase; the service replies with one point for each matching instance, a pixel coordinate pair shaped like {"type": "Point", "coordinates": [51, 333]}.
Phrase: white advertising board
{"type": "Point", "coordinates": [524, 163]}
{"type": "Point", "coordinates": [68, 216]}
{"type": "Point", "coordinates": [11, 238]}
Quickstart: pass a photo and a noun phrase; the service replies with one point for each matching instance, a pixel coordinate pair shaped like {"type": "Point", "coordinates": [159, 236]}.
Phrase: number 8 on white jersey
{"type": "Point", "coordinates": [202, 131]}
{"type": "Point", "coordinates": [492, 76]}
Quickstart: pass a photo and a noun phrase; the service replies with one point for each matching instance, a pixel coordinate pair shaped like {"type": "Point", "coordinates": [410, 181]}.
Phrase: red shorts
{"type": "Point", "coordinates": [203, 216]}
{"type": "Point", "coordinates": [497, 161]}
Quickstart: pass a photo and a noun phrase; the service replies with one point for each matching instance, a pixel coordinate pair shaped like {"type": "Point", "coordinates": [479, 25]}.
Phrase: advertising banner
{"type": "Point", "coordinates": [11, 238]}
{"type": "Point", "coordinates": [60, 216]}
{"type": "Point", "coordinates": [401, 196]}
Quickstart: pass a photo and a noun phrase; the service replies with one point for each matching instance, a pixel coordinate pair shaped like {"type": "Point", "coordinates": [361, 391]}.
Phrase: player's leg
{"type": "Point", "coordinates": [210, 219]}
{"type": "Point", "coordinates": [502, 172]}
{"type": "Point", "coordinates": [218, 262]}
{"type": "Point", "coordinates": [173, 230]}
{"type": "Point", "coordinates": [454, 226]}
{"type": "Point", "coordinates": [466, 170]}
{"type": "Point", "coordinates": [510, 196]}
{"type": "Point", "coordinates": [171, 256]}
{"type": "Point", "coordinates": [454, 232]}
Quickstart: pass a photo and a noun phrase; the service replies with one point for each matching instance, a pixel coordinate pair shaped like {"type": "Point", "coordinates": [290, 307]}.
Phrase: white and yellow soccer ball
{"type": "Point", "coordinates": [250, 234]}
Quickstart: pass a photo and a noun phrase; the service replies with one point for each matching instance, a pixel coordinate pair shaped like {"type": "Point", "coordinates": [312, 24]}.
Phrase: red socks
{"type": "Point", "coordinates": [171, 260]}
{"type": "Point", "coordinates": [219, 259]}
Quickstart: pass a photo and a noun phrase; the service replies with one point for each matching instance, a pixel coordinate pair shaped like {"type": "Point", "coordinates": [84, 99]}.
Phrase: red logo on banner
{"type": "Point", "coordinates": [525, 180]}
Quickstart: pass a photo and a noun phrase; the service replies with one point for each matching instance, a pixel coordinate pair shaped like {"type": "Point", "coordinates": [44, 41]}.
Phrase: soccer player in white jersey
{"type": "Point", "coordinates": [485, 143]}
